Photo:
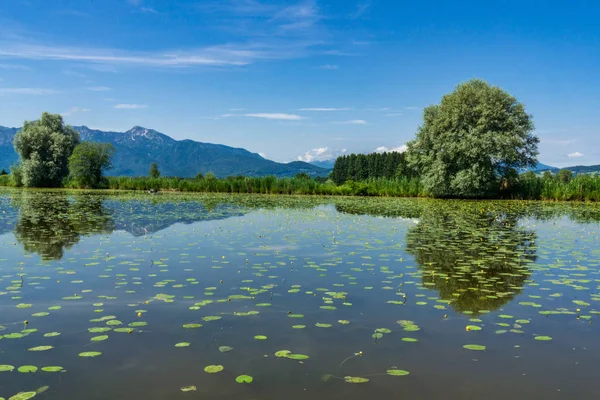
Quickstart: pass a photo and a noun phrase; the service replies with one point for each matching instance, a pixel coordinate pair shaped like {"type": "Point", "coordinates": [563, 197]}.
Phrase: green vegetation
{"type": "Point", "coordinates": [473, 142]}
{"type": "Point", "coordinates": [88, 163]}
{"type": "Point", "coordinates": [360, 167]}
{"type": "Point", "coordinates": [154, 172]}
{"type": "Point", "coordinates": [44, 147]}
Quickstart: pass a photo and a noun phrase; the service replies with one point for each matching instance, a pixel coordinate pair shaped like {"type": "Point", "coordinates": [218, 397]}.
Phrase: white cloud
{"type": "Point", "coordinates": [320, 154]}
{"type": "Point", "coordinates": [280, 116]}
{"type": "Point", "coordinates": [33, 91]}
{"type": "Point", "coordinates": [354, 122]}
{"type": "Point", "coordinates": [98, 88]}
{"type": "Point", "coordinates": [323, 109]}
{"type": "Point", "coordinates": [329, 67]}
{"type": "Point", "coordinates": [74, 110]}
{"type": "Point", "coordinates": [384, 149]}
{"type": "Point", "coordinates": [130, 106]}
{"type": "Point", "coordinates": [393, 115]}
{"type": "Point", "coordinates": [574, 155]}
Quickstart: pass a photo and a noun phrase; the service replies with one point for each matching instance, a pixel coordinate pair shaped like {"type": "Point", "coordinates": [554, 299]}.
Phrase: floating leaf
{"type": "Point", "coordinates": [355, 379]}
{"type": "Point", "coordinates": [225, 349]}
{"type": "Point", "coordinates": [244, 379]}
{"type": "Point", "coordinates": [543, 338]}
{"type": "Point", "coordinates": [99, 338]}
{"type": "Point", "coordinates": [190, 388]}
{"type": "Point", "coordinates": [41, 348]}
{"type": "Point", "coordinates": [27, 369]}
{"type": "Point", "coordinates": [260, 337]}
{"type": "Point", "coordinates": [282, 353]}
{"type": "Point", "coordinates": [320, 325]}
{"type": "Point", "coordinates": [6, 368]}
{"type": "Point", "coordinates": [52, 369]}
{"type": "Point", "coordinates": [475, 347]}
{"type": "Point", "coordinates": [23, 396]}
{"type": "Point", "coordinates": [51, 334]}
{"type": "Point", "coordinates": [90, 354]}
{"type": "Point", "coordinates": [182, 344]}
{"type": "Point", "coordinates": [397, 372]}
{"type": "Point", "coordinates": [192, 326]}
{"type": "Point", "coordinates": [213, 369]}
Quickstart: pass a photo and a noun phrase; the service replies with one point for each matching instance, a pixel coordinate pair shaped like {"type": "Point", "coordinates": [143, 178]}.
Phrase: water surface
{"type": "Point", "coordinates": [357, 287]}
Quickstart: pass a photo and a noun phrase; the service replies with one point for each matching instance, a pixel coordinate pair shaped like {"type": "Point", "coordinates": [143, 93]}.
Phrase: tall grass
{"type": "Point", "coordinates": [580, 188]}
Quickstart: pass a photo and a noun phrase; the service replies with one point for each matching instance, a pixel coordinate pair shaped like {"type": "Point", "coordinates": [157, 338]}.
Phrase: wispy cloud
{"type": "Point", "coordinates": [320, 154]}
{"type": "Point", "coordinates": [98, 88]}
{"type": "Point", "coordinates": [323, 109]}
{"type": "Point", "coordinates": [575, 155]}
{"type": "Point", "coordinates": [32, 91]}
{"type": "Point", "coordinates": [280, 116]}
{"type": "Point", "coordinates": [15, 66]}
{"type": "Point", "coordinates": [413, 108]}
{"type": "Point", "coordinates": [329, 67]}
{"type": "Point", "coordinates": [130, 106]}
{"type": "Point", "coordinates": [393, 115]}
{"type": "Point", "coordinates": [354, 122]}
{"type": "Point", "coordinates": [361, 8]}
{"type": "Point", "coordinates": [384, 149]}
{"type": "Point", "coordinates": [74, 110]}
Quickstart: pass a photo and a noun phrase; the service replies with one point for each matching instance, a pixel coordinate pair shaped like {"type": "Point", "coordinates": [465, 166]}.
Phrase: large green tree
{"type": "Point", "coordinates": [88, 163]}
{"type": "Point", "coordinates": [478, 135]}
{"type": "Point", "coordinates": [44, 147]}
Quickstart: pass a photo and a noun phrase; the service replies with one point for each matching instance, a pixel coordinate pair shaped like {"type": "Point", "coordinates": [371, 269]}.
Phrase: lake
{"type": "Point", "coordinates": [133, 296]}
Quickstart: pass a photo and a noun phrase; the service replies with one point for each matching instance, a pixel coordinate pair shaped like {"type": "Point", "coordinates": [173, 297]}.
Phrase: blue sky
{"type": "Point", "coordinates": [304, 79]}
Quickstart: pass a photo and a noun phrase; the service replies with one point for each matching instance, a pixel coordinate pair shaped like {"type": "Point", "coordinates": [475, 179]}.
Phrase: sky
{"type": "Point", "coordinates": [300, 79]}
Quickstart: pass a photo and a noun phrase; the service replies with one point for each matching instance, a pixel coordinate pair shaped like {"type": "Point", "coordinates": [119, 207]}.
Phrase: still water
{"type": "Point", "coordinates": [132, 296]}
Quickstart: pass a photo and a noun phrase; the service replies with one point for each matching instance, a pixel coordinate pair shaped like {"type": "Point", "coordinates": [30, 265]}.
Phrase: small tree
{"type": "Point", "coordinates": [302, 176]}
{"type": "Point", "coordinates": [154, 172]}
{"type": "Point", "coordinates": [475, 137]}
{"type": "Point", "coordinates": [44, 147]}
{"type": "Point", "coordinates": [199, 176]}
{"type": "Point", "coordinates": [3, 172]}
{"type": "Point", "coordinates": [547, 175]}
{"type": "Point", "coordinates": [88, 163]}
{"type": "Point", "coordinates": [564, 176]}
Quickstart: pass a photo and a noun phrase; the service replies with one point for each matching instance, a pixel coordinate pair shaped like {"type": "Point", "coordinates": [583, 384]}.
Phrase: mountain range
{"type": "Point", "coordinates": [139, 147]}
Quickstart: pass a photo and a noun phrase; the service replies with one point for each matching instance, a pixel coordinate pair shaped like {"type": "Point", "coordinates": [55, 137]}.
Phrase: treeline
{"type": "Point", "coordinates": [361, 167]}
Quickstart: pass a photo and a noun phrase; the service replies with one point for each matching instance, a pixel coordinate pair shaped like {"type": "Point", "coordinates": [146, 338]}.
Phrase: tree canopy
{"type": "Point", "coordinates": [88, 163]}
{"type": "Point", "coordinates": [44, 147]}
{"type": "Point", "coordinates": [476, 137]}
{"type": "Point", "coordinates": [154, 172]}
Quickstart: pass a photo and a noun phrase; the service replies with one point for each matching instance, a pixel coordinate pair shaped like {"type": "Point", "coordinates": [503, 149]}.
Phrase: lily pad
{"type": "Point", "coordinates": [397, 372]}
{"type": "Point", "coordinates": [90, 354]}
{"type": "Point", "coordinates": [225, 349]}
{"type": "Point", "coordinates": [27, 369]}
{"type": "Point", "coordinates": [355, 379]}
{"type": "Point", "coordinates": [41, 348]}
{"type": "Point", "coordinates": [213, 369]}
{"type": "Point", "coordinates": [182, 344]}
{"type": "Point", "coordinates": [52, 369]}
{"type": "Point", "coordinates": [244, 379]}
{"type": "Point", "coordinates": [476, 347]}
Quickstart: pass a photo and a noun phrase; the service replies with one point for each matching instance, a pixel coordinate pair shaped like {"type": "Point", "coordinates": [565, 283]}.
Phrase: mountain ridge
{"type": "Point", "coordinates": [139, 147]}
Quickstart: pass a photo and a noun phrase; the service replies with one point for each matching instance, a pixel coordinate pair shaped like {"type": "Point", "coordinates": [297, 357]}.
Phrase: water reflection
{"type": "Point", "coordinates": [51, 223]}
{"type": "Point", "coordinates": [476, 261]}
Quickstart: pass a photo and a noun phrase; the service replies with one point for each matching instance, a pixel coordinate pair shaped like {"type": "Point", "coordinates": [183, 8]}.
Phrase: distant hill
{"type": "Point", "coordinates": [328, 164]}
{"type": "Point", "coordinates": [139, 147]}
{"type": "Point", "coordinates": [577, 169]}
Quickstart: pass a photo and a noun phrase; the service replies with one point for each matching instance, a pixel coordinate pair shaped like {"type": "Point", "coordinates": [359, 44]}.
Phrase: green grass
{"type": "Point", "coordinates": [580, 188]}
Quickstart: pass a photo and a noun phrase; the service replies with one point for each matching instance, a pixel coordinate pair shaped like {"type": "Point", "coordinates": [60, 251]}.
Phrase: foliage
{"type": "Point", "coordinates": [360, 167]}
{"type": "Point", "coordinates": [88, 163]}
{"type": "Point", "coordinates": [154, 172]}
{"type": "Point", "coordinates": [199, 176]}
{"type": "Point", "coordinates": [564, 175]}
{"type": "Point", "coordinates": [44, 147]}
{"type": "Point", "coordinates": [3, 172]}
{"type": "Point", "coordinates": [472, 140]}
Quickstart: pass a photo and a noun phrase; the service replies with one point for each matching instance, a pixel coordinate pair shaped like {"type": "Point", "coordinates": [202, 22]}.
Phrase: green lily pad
{"type": "Point", "coordinates": [99, 338]}
{"type": "Point", "coordinates": [211, 318]}
{"type": "Point", "coordinates": [27, 369]}
{"type": "Point", "coordinates": [41, 348]}
{"type": "Point", "coordinates": [244, 379]}
{"type": "Point", "coordinates": [260, 337]}
{"type": "Point", "coordinates": [90, 354]}
{"type": "Point", "coordinates": [192, 326]}
{"type": "Point", "coordinates": [543, 338]}
{"type": "Point", "coordinates": [320, 325]}
{"type": "Point", "coordinates": [182, 344]}
{"type": "Point", "coordinates": [408, 339]}
{"type": "Point", "coordinates": [473, 328]}
{"type": "Point", "coordinates": [355, 379]}
{"type": "Point", "coordinates": [397, 372]}
{"type": "Point", "coordinates": [190, 388]}
{"type": "Point", "coordinates": [298, 326]}
{"type": "Point", "coordinates": [297, 356]}
{"type": "Point", "coordinates": [51, 334]}
{"type": "Point", "coordinates": [6, 368]}
{"type": "Point", "coordinates": [213, 369]}
{"type": "Point", "coordinates": [282, 353]}
{"type": "Point", "coordinates": [475, 347]}
{"type": "Point", "coordinates": [225, 349]}
{"type": "Point", "coordinates": [52, 369]}
{"type": "Point", "coordinates": [23, 396]}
